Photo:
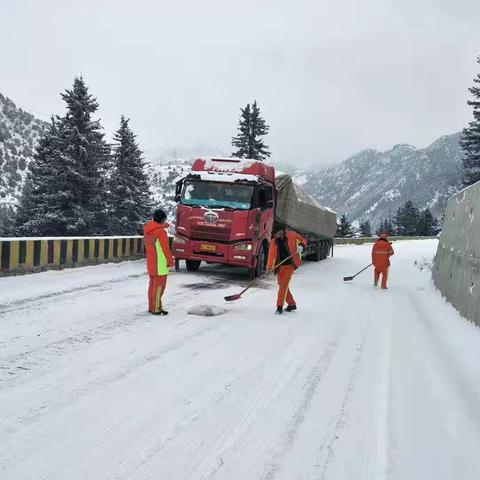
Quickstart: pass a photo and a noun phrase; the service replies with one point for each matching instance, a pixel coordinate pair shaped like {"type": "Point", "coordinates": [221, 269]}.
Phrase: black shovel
{"type": "Point", "coordinates": [348, 279]}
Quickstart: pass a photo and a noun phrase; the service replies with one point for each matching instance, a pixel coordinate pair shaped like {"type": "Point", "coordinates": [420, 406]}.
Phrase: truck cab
{"type": "Point", "coordinates": [225, 214]}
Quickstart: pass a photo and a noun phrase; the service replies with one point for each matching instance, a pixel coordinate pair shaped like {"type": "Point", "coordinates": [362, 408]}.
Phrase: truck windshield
{"type": "Point", "coordinates": [217, 194]}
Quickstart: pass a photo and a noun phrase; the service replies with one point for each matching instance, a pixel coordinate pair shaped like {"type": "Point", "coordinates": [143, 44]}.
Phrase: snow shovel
{"type": "Point", "coordinates": [347, 279]}
{"type": "Point", "coordinates": [238, 296]}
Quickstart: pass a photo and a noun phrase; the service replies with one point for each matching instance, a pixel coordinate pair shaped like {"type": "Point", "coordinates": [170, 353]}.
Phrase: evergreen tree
{"type": "Point", "coordinates": [365, 229]}
{"type": "Point", "coordinates": [66, 194]}
{"type": "Point", "coordinates": [251, 128]}
{"type": "Point", "coordinates": [345, 229]}
{"type": "Point", "coordinates": [41, 206]}
{"type": "Point", "coordinates": [407, 219]}
{"type": "Point", "coordinates": [470, 141]}
{"type": "Point", "coordinates": [386, 225]}
{"type": "Point", "coordinates": [427, 224]}
{"type": "Point", "coordinates": [129, 193]}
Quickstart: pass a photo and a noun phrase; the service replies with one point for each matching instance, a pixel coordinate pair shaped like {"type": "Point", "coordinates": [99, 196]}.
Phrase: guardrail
{"type": "Point", "coordinates": [24, 255]}
{"type": "Point", "coordinates": [362, 240]}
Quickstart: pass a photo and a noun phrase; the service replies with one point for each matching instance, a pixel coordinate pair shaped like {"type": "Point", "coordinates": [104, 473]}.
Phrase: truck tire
{"type": "Point", "coordinates": [177, 264]}
{"type": "Point", "coordinates": [317, 255]}
{"type": "Point", "coordinates": [193, 265]}
{"type": "Point", "coordinates": [261, 262]}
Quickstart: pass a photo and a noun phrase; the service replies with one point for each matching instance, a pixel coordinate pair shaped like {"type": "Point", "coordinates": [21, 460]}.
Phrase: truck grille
{"type": "Point", "coordinates": [205, 232]}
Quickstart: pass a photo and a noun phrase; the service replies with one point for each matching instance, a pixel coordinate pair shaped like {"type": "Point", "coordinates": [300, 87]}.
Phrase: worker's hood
{"type": "Point", "coordinates": [151, 226]}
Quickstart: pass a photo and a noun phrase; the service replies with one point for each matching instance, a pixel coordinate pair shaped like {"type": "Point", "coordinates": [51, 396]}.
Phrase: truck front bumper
{"type": "Point", "coordinates": [213, 253]}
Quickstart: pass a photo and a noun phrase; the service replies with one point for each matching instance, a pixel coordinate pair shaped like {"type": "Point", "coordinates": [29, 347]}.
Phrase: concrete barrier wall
{"type": "Point", "coordinates": [456, 270]}
{"type": "Point", "coordinates": [26, 255]}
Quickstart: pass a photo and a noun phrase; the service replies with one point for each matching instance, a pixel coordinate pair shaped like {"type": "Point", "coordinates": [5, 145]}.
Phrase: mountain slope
{"type": "Point", "coordinates": [19, 134]}
{"type": "Point", "coordinates": [163, 177]}
{"type": "Point", "coordinates": [372, 185]}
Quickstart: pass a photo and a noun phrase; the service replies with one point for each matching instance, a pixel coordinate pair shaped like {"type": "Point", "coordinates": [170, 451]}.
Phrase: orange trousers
{"type": "Point", "coordinates": [384, 272]}
{"type": "Point", "coordinates": [284, 275]}
{"type": "Point", "coordinates": [156, 287]}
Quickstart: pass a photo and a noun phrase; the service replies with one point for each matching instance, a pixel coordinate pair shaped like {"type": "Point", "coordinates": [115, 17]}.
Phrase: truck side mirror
{"type": "Point", "coordinates": [178, 190]}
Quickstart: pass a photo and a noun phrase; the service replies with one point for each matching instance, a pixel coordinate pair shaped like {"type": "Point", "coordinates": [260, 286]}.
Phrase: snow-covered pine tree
{"type": "Point", "coordinates": [470, 141]}
{"type": "Point", "coordinates": [65, 191]}
{"type": "Point", "coordinates": [407, 219]}
{"type": "Point", "coordinates": [86, 160]}
{"type": "Point", "coordinates": [44, 195]}
{"type": "Point", "coordinates": [365, 229]}
{"type": "Point", "coordinates": [251, 130]}
{"type": "Point", "coordinates": [345, 229]}
{"type": "Point", "coordinates": [130, 202]}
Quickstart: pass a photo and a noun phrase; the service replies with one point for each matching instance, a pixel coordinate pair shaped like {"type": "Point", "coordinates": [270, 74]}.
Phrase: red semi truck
{"type": "Point", "coordinates": [228, 206]}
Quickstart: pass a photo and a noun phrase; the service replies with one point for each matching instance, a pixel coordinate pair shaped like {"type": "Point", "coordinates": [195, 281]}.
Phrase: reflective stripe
{"type": "Point", "coordinates": [381, 252]}
{"type": "Point", "coordinates": [162, 266]}
{"type": "Point", "coordinates": [158, 300]}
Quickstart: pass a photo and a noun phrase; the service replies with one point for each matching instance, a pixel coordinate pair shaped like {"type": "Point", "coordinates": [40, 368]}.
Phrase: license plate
{"type": "Point", "coordinates": [207, 247]}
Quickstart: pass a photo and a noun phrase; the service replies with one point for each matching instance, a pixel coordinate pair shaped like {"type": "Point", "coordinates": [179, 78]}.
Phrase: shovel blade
{"type": "Point", "coordinates": [347, 279]}
{"type": "Point", "coordinates": [232, 298]}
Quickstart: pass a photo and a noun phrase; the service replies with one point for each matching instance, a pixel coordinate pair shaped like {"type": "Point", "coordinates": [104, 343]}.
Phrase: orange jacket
{"type": "Point", "coordinates": [381, 252]}
{"type": "Point", "coordinates": [159, 256]}
{"type": "Point", "coordinates": [293, 240]}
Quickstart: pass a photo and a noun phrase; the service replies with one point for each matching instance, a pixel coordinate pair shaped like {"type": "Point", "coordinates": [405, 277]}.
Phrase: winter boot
{"type": "Point", "coordinates": [375, 284]}
{"type": "Point", "coordinates": [161, 312]}
{"type": "Point", "coordinates": [291, 308]}
{"type": "Point", "coordinates": [279, 311]}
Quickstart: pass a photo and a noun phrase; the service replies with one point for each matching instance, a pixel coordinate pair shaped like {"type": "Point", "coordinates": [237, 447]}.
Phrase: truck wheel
{"type": "Point", "coordinates": [177, 264]}
{"type": "Point", "coordinates": [260, 267]}
{"type": "Point", "coordinates": [193, 265]}
{"type": "Point", "coordinates": [317, 256]}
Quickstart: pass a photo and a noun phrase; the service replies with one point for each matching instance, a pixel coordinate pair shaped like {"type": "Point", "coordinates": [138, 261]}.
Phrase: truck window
{"type": "Point", "coordinates": [217, 194]}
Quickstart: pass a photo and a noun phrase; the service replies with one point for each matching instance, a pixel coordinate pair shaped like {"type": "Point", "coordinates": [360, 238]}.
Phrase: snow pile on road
{"type": "Point", "coordinates": [207, 310]}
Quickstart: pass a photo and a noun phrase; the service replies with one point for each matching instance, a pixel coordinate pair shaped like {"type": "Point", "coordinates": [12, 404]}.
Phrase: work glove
{"type": "Point", "coordinates": [300, 250]}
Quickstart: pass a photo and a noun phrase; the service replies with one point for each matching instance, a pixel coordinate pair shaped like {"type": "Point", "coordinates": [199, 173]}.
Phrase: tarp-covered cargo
{"type": "Point", "coordinates": [298, 210]}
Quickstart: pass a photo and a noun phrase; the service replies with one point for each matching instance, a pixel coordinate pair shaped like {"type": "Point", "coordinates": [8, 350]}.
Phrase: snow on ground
{"type": "Point", "coordinates": [359, 383]}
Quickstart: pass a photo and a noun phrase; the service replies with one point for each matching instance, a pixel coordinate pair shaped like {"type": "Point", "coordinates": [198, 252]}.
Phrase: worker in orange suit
{"type": "Point", "coordinates": [381, 252]}
{"type": "Point", "coordinates": [286, 248]}
{"type": "Point", "coordinates": [159, 260]}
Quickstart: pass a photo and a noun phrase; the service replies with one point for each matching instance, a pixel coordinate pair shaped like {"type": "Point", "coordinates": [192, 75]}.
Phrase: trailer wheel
{"type": "Point", "coordinates": [193, 265]}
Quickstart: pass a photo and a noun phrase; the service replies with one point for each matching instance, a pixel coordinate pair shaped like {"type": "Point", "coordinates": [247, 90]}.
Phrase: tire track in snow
{"type": "Point", "coordinates": [101, 381]}
{"type": "Point", "coordinates": [311, 384]}
{"type": "Point", "coordinates": [30, 361]}
{"type": "Point", "coordinates": [26, 303]}
{"type": "Point", "coordinates": [239, 420]}
{"type": "Point", "coordinates": [340, 420]}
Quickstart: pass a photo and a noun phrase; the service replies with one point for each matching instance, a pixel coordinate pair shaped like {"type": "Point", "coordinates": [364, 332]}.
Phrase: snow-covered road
{"type": "Point", "coordinates": [359, 383]}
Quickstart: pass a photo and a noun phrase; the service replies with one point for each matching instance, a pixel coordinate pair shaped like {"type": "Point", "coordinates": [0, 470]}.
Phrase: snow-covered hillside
{"type": "Point", "coordinates": [372, 185]}
{"type": "Point", "coordinates": [19, 134]}
{"type": "Point", "coordinates": [163, 177]}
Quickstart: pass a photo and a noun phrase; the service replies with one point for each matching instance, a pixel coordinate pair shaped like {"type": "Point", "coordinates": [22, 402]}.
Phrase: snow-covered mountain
{"type": "Point", "coordinates": [372, 185]}
{"type": "Point", "coordinates": [163, 177]}
{"type": "Point", "coordinates": [19, 134]}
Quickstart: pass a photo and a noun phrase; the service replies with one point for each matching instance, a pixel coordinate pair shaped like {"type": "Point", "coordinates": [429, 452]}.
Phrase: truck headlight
{"type": "Point", "coordinates": [179, 240]}
{"type": "Point", "coordinates": [243, 247]}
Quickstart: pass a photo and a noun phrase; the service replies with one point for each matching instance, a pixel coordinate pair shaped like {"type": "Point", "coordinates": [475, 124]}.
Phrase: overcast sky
{"type": "Point", "coordinates": [331, 77]}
